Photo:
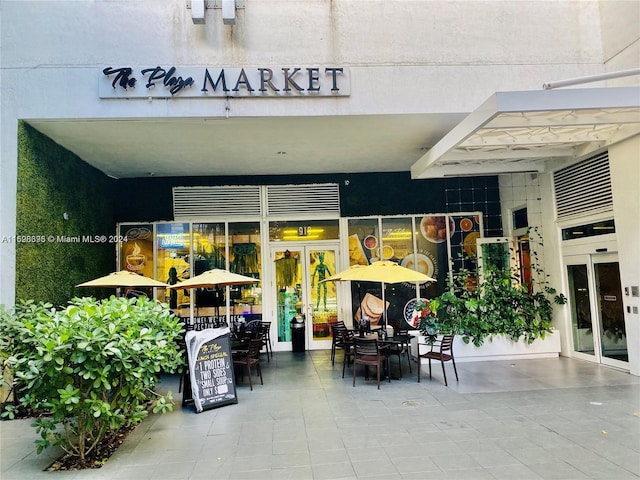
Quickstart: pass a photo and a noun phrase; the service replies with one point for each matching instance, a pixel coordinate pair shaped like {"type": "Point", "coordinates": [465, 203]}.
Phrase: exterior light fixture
{"type": "Point", "coordinates": [228, 7]}
{"type": "Point", "coordinates": [229, 12]}
{"type": "Point", "coordinates": [197, 11]}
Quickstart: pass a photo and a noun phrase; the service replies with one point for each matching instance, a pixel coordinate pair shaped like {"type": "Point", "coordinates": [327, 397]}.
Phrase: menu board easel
{"type": "Point", "coordinates": [210, 368]}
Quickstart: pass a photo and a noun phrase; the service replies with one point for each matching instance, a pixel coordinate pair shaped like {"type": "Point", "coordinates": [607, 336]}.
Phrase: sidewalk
{"type": "Point", "coordinates": [528, 419]}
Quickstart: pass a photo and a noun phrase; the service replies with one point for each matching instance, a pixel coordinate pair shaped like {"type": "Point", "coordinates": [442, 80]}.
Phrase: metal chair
{"type": "Point", "coordinates": [266, 339]}
{"type": "Point", "coordinates": [442, 350]}
{"type": "Point", "coordinates": [250, 358]}
{"type": "Point", "coordinates": [336, 338]}
{"type": "Point", "coordinates": [347, 342]}
{"type": "Point", "coordinates": [370, 353]}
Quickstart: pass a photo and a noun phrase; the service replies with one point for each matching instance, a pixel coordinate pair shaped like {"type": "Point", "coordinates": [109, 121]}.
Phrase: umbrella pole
{"type": "Point", "coordinates": [384, 307]}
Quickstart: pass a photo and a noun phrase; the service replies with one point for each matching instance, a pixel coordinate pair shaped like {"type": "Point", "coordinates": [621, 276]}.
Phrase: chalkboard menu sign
{"type": "Point", "coordinates": [210, 368]}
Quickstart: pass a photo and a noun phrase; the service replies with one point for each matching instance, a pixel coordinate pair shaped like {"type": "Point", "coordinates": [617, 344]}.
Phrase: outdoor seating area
{"type": "Point", "coordinates": [372, 348]}
{"type": "Point", "coordinates": [537, 419]}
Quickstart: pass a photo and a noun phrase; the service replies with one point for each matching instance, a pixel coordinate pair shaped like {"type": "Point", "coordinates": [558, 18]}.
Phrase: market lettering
{"type": "Point", "coordinates": [266, 79]}
{"type": "Point", "coordinates": [254, 82]}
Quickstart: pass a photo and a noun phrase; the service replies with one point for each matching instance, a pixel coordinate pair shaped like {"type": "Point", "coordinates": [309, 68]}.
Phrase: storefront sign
{"type": "Point", "coordinates": [210, 368]}
{"type": "Point", "coordinates": [193, 82]}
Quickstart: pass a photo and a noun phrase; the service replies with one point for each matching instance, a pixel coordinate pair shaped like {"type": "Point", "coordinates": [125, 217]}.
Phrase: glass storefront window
{"type": "Point", "coordinates": [209, 240]}
{"type": "Point", "coordinates": [397, 246]}
{"type": "Point", "coordinates": [364, 240]}
{"type": "Point", "coordinates": [136, 254]}
{"type": "Point", "coordinates": [304, 230]}
{"type": "Point", "coordinates": [172, 263]}
{"type": "Point", "coordinates": [432, 256]}
{"type": "Point", "coordinates": [590, 230]}
{"type": "Point", "coordinates": [245, 258]}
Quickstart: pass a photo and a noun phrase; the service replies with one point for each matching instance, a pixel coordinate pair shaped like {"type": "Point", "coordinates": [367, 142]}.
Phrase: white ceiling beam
{"type": "Point", "coordinates": [482, 169]}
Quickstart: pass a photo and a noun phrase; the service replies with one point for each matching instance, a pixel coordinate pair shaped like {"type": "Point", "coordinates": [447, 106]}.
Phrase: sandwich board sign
{"type": "Point", "coordinates": [210, 368]}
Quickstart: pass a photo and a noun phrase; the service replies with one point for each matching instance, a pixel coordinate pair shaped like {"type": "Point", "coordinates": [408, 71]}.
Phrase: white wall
{"type": "Point", "coordinates": [620, 30]}
{"type": "Point", "coordinates": [624, 161]}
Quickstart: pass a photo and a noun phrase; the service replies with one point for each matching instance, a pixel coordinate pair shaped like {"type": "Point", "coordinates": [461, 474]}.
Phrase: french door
{"type": "Point", "coordinates": [597, 312]}
{"type": "Point", "coordinates": [301, 295]}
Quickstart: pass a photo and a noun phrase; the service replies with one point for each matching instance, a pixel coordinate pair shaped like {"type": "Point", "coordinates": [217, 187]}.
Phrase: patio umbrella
{"type": "Point", "coordinates": [215, 278]}
{"type": "Point", "coordinates": [123, 278]}
{"type": "Point", "coordinates": [384, 272]}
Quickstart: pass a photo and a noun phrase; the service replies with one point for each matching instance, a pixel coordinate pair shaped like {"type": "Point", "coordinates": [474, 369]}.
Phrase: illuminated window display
{"type": "Point", "coordinates": [172, 262]}
{"type": "Point", "coordinates": [245, 258]}
{"type": "Point", "coordinates": [136, 253]}
{"type": "Point", "coordinates": [421, 243]}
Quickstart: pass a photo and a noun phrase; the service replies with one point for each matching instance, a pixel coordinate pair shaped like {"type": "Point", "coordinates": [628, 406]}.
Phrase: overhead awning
{"type": "Point", "coordinates": [521, 131]}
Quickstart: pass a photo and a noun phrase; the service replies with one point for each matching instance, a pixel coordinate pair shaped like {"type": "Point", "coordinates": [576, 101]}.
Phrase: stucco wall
{"type": "Point", "coordinates": [624, 160]}
{"type": "Point", "coordinates": [620, 30]}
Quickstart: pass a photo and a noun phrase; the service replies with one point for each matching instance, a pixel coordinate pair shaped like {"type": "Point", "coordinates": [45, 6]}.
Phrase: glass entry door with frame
{"type": "Point", "coordinates": [597, 312]}
{"type": "Point", "coordinates": [301, 294]}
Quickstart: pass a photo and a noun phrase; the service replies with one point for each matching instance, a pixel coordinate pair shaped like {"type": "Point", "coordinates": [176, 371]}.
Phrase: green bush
{"type": "Point", "coordinates": [90, 367]}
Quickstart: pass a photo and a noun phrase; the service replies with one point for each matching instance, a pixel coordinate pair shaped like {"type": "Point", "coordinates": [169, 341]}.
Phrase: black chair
{"type": "Point", "coordinates": [266, 338]}
{"type": "Point", "coordinates": [347, 342]}
{"type": "Point", "coordinates": [336, 338]}
{"type": "Point", "coordinates": [370, 353]}
{"type": "Point", "coordinates": [249, 358]}
{"type": "Point", "coordinates": [393, 349]}
{"type": "Point", "coordinates": [442, 350]}
{"type": "Point", "coordinates": [400, 329]}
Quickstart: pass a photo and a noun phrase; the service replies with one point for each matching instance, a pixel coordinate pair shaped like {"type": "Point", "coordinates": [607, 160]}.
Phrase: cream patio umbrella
{"type": "Point", "coordinates": [383, 271]}
{"type": "Point", "coordinates": [123, 278]}
{"type": "Point", "coordinates": [215, 278]}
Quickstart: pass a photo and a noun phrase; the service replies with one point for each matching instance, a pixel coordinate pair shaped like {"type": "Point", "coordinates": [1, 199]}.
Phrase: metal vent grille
{"type": "Point", "coordinates": [584, 187]}
{"type": "Point", "coordinates": [303, 199]}
{"type": "Point", "coordinates": [219, 202]}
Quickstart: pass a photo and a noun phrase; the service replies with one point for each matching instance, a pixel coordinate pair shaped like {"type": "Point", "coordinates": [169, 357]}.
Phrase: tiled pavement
{"type": "Point", "coordinates": [527, 419]}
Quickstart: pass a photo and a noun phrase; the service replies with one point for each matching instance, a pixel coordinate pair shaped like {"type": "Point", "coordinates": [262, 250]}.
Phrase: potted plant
{"type": "Point", "coordinates": [492, 300]}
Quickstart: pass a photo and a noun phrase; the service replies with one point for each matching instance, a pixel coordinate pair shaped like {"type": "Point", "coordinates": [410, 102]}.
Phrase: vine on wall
{"type": "Point", "coordinates": [53, 181]}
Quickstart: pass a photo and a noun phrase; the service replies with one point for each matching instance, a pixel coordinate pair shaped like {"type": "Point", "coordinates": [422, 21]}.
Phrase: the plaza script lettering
{"type": "Point", "coordinates": [224, 82]}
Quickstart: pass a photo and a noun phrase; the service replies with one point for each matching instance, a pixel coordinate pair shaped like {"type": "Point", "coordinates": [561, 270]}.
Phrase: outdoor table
{"type": "Point", "coordinates": [401, 340]}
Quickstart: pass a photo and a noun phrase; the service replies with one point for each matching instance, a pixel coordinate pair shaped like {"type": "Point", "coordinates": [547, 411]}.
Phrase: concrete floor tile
{"type": "Point", "coordinates": [534, 420]}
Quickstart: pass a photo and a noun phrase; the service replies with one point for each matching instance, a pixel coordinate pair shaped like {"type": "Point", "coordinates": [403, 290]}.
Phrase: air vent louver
{"type": "Point", "coordinates": [583, 187]}
{"type": "Point", "coordinates": [216, 202]}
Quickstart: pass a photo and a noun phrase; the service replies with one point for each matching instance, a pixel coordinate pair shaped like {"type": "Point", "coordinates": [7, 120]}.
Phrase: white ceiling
{"type": "Point", "coordinates": [250, 146]}
{"type": "Point", "coordinates": [510, 132]}
{"type": "Point", "coordinates": [523, 131]}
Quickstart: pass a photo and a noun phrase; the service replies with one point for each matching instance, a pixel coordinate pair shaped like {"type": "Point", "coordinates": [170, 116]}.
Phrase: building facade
{"type": "Point", "coordinates": [286, 138]}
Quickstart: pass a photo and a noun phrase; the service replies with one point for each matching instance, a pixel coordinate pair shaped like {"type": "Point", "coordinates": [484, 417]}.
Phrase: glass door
{"type": "Point", "coordinates": [303, 297]}
{"type": "Point", "coordinates": [597, 313]}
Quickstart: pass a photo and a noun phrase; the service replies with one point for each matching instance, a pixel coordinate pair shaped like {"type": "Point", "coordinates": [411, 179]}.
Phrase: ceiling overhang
{"type": "Point", "coordinates": [522, 131]}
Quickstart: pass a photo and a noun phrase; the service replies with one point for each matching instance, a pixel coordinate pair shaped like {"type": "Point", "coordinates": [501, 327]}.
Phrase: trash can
{"type": "Point", "coordinates": [298, 334]}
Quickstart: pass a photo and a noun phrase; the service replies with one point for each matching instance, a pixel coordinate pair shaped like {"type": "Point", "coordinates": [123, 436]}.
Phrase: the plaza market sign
{"type": "Point", "coordinates": [193, 82]}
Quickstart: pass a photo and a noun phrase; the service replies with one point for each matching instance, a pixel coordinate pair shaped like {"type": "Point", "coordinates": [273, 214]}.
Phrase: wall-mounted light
{"type": "Point", "coordinates": [197, 11]}
{"type": "Point", "coordinates": [229, 12]}
{"type": "Point", "coordinates": [229, 7]}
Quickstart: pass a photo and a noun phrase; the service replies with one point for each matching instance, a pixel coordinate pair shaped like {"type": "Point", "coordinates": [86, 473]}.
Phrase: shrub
{"type": "Point", "coordinates": [91, 367]}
